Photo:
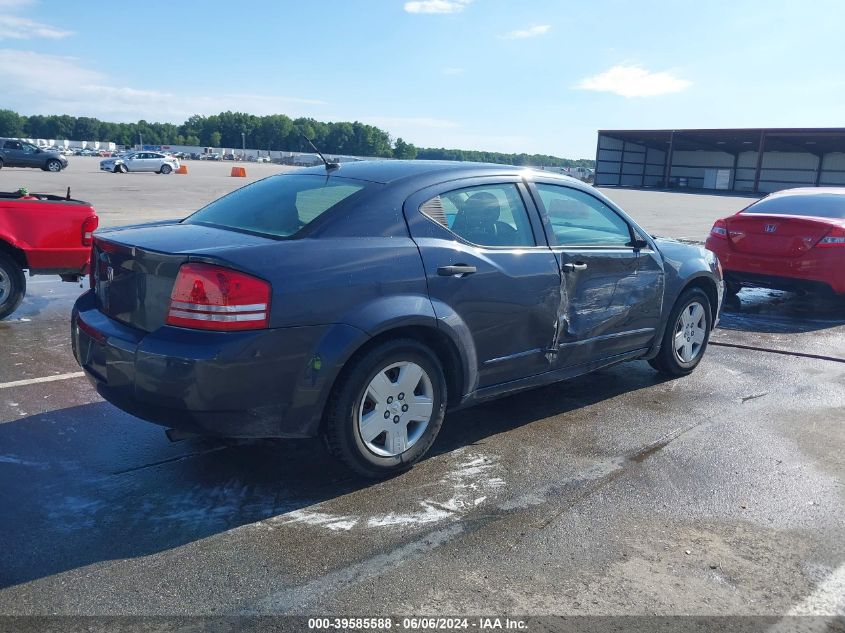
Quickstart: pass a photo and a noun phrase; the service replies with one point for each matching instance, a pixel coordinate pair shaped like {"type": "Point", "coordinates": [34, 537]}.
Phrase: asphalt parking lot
{"type": "Point", "coordinates": [617, 493]}
{"type": "Point", "coordinates": [129, 198]}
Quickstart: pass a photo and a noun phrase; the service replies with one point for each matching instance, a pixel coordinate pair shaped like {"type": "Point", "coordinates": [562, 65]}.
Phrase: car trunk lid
{"type": "Point", "coordinates": [134, 269]}
{"type": "Point", "coordinates": [775, 235]}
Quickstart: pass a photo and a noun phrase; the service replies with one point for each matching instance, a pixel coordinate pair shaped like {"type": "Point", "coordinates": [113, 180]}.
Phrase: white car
{"type": "Point", "coordinates": [140, 161]}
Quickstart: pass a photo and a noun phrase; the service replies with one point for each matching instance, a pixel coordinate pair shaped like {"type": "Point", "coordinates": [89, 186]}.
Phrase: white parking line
{"type": "Point", "coordinates": [35, 381]}
{"type": "Point", "coordinates": [827, 599]}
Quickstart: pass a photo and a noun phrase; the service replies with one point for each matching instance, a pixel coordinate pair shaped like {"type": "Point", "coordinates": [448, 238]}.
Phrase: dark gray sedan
{"type": "Point", "coordinates": [17, 153]}
{"type": "Point", "coordinates": [362, 302]}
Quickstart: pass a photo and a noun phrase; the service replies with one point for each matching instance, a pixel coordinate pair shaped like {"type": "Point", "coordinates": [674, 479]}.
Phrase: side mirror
{"type": "Point", "coordinates": [638, 244]}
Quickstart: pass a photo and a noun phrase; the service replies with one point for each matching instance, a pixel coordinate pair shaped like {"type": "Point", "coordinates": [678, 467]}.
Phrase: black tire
{"type": "Point", "coordinates": [732, 288]}
{"type": "Point", "coordinates": [668, 360]}
{"type": "Point", "coordinates": [13, 281]}
{"type": "Point", "coordinates": [165, 169]}
{"type": "Point", "coordinates": [1, 164]}
{"type": "Point", "coordinates": [341, 429]}
{"type": "Point", "coordinates": [123, 169]}
{"type": "Point", "coordinates": [53, 165]}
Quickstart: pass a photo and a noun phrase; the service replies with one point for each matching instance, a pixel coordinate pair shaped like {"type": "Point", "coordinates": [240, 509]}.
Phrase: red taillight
{"type": "Point", "coordinates": [208, 297]}
{"type": "Point", "coordinates": [836, 238]}
{"type": "Point", "coordinates": [88, 227]}
{"type": "Point", "coordinates": [720, 229]}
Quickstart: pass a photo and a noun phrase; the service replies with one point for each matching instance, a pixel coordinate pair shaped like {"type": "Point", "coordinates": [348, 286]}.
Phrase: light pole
{"type": "Point", "coordinates": [140, 141]}
{"type": "Point", "coordinates": [243, 145]}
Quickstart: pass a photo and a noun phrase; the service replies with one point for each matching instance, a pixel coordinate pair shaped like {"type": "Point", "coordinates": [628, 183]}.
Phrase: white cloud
{"type": "Point", "coordinates": [14, 4]}
{"type": "Point", "coordinates": [453, 71]}
{"type": "Point", "coordinates": [533, 31]}
{"type": "Point", "coordinates": [436, 6]}
{"type": "Point", "coordinates": [50, 84]}
{"type": "Point", "coordinates": [634, 81]}
{"type": "Point", "coordinates": [14, 27]}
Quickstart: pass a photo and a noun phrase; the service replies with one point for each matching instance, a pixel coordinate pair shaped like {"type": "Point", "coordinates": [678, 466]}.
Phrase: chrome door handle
{"type": "Point", "coordinates": [456, 270]}
{"type": "Point", "coordinates": [569, 267]}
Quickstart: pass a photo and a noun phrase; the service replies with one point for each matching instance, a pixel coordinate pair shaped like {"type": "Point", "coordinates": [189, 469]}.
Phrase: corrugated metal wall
{"type": "Point", "coordinates": [631, 164]}
{"type": "Point", "coordinates": [833, 169]}
{"type": "Point", "coordinates": [691, 166]}
{"type": "Point", "coordinates": [627, 164]}
{"type": "Point", "coordinates": [746, 167]}
{"type": "Point", "coordinates": [784, 170]}
{"type": "Point", "coordinates": [609, 161]}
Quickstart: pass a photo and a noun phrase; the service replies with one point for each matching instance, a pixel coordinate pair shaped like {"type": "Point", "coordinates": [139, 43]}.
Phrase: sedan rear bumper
{"type": "Point", "coordinates": [261, 383]}
{"type": "Point", "coordinates": [818, 267]}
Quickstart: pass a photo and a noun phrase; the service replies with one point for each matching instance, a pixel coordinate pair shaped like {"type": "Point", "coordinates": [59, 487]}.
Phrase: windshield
{"type": "Point", "coordinates": [278, 206]}
{"type": "Point", "coordinates": [818, 205]}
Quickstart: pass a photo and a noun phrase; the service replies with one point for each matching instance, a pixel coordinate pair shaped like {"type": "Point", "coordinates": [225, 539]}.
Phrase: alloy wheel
{"type": "Point", "coordinates": [396, 409]}
{"type": "Point", "coordinates": [690, 332]}
{"type": "Point", "coordinates": [5, 287]}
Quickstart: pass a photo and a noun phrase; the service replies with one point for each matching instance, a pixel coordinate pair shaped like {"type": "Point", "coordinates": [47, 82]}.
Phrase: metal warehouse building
{"type": "Point", "coordinates": [756, 160]}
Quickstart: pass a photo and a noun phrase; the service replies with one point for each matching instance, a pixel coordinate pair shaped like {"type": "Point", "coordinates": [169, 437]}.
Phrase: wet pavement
{"type": "Point", "coordinates": [615, 493]}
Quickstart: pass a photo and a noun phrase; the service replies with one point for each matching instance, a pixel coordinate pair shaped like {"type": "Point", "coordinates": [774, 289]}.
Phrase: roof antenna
{"type": "Point", "coordinates": [67, 197]}
{"type": "Point", "coordinates": [329, 166]}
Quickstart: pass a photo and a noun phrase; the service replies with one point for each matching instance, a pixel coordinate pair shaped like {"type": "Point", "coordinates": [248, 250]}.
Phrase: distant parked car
{"type": "Point", "coordinates": [141, 161]}
{"type": "Point", "coordinates": [360, 302]}
{"type": "Point", "coordinates": [584, 174]}
{"type": "Point", "coordinates": [44, 234]}
{"type": "Point", "coordinates": [15, 153]}
{"type": "Point", "coordinates": [790, 240]}
{"type": "Point", "coordinates": [262, 159]}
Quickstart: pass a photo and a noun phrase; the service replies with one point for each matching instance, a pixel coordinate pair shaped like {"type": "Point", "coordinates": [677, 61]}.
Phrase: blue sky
{"type": "Point", "coordinates": [503, 75]}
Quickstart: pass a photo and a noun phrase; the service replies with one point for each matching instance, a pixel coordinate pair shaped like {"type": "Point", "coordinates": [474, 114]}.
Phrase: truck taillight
{"type": "Point", "coordinates": [720, 229]}
{"type": "Point", "coordinates": [88, 227]}
{"type": "Point", "coordinates": [209, 297]}
{"type": "Point", "coordinates": [833, 239]}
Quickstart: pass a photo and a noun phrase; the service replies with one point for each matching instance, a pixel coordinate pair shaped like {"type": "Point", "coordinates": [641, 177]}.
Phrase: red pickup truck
{"type": "Point", "coordinates": [45, 234]}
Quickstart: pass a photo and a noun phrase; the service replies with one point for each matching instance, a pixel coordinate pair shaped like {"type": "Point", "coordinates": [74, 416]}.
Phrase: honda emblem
{"type": "Point", "coordinates": [770, 228]}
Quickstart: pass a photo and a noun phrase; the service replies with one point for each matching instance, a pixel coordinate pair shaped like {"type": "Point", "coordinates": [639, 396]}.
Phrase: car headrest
{"type": "Point", "coordinates": [287, 214]}
{"type": "Point", "coordinates": [481, 208]}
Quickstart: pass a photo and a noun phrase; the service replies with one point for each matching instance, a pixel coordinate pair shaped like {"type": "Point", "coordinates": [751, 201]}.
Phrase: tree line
{"type": "Point", "coordinates": [273, 132]}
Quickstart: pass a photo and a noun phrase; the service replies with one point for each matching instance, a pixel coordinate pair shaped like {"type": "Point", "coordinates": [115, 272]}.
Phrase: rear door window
{"type": "Point", "coordinates": [278, 206]}
{"type": "Point", "coordinates": [488, 215]}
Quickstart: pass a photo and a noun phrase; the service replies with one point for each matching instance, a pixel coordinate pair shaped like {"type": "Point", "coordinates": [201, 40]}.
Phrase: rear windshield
{"type": "Point", "coordinates": [278, 206]}
{"type": "Point", "coordinates": [818, 205]}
